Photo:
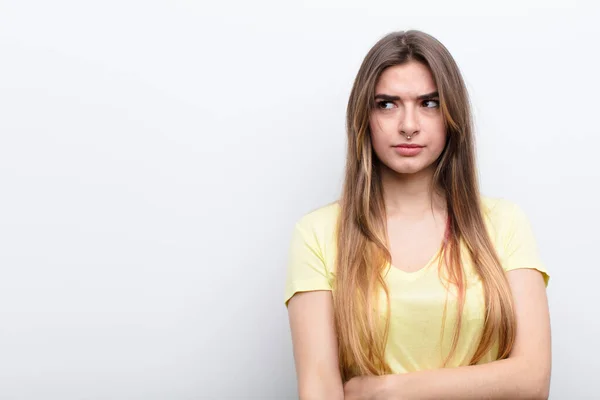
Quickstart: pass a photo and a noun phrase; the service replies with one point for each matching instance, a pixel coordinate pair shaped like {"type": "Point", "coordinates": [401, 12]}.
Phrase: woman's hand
{"type": "Point", "coordinates": [367, 388]}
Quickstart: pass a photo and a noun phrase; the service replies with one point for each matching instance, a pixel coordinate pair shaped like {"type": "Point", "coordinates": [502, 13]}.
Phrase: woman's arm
{"type": "Point", "coordinates": [524, 375]}
{"type": "Point", "coordinates": [315, 346]}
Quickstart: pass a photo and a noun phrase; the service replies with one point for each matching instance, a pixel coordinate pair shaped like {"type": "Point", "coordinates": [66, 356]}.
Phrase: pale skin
{"type": "Point", "coordinates": [416, 226]}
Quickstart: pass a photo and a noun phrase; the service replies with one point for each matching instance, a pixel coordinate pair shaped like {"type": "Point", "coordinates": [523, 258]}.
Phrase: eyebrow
{"type": "Point", "coordinates": [388, 97]}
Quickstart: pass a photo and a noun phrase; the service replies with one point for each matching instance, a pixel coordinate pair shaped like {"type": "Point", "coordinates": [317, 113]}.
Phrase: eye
{"type": "Point", "coordinates": [432, 103]}
{"type": "Point", "coordinates": [385, 105]}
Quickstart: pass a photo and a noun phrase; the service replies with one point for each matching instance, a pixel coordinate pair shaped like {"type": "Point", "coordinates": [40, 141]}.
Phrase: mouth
{"type": "Point", "coordinates": [408, 150]}
{"type": "Point", "coordinates": [409, 146]}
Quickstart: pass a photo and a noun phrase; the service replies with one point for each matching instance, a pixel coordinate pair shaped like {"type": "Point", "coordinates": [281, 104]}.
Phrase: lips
{"type": "Point", "coordinates": [408, 150]}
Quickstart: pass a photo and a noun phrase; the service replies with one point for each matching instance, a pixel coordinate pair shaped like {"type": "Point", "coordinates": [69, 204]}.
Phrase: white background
{"type": "Point", "coordinates": [154, 156]}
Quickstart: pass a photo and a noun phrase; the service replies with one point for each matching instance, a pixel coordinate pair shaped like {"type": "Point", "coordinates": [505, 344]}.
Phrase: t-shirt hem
{"type": "Point", "coordinates": [306, 285]}
{"type": "Point", "coordinates": [543, 270]}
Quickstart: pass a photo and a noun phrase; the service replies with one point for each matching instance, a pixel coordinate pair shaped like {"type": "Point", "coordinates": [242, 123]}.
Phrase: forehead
{"type": "Point", "coordinates": [408, 80]}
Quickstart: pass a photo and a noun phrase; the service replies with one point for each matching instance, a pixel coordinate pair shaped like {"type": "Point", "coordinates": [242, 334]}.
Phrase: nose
{"type": "Point", "coordinates": [409, 124]}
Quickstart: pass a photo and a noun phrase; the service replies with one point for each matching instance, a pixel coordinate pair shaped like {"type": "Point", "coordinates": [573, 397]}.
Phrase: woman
{"type": "Point", "coordinates": [413, 285]}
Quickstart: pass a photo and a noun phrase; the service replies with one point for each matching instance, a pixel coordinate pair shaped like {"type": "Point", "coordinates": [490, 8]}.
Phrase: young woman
{"type": "Point", "coordinates": [413, 285]}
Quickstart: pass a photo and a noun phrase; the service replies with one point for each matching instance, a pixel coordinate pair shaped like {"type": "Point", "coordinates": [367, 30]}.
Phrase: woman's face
{"type": "Point", "coordinates": [407, 105]}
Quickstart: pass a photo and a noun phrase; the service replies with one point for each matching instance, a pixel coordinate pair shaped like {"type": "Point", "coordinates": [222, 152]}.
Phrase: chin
{"type": "Point", "coordinates": [408, 167]}
{"type": "Point", "coordinates": [407, 171]}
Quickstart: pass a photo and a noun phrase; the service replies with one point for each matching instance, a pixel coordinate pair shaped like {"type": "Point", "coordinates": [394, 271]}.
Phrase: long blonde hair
{"type": "Point", "coordinates": [362, 244]}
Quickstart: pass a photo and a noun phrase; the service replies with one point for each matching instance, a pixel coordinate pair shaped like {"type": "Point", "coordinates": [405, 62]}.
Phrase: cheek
{"type": "Point", "coordinates": [379, 132]}
{"type": "Point", "coordinates": [437, 138]}
{"type": "Point", "coordinates": [439, 142]}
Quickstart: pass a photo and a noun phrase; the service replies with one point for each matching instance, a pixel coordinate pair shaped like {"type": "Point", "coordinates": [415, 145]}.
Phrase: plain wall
{"type": "Point", "coordinates": [155, 155]}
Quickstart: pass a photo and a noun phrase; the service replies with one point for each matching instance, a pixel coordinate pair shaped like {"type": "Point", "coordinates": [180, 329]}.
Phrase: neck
{"type": "Point", "coordinates": [411, 195]}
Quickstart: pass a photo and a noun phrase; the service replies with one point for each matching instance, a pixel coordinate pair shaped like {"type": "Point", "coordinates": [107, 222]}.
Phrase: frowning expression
{"type": "Point", "coordinates": [407, 128]}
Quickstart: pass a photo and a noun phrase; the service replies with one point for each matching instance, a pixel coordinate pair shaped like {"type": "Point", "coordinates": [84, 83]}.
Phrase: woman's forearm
{"type": "Point", "coordinates": [320, 389]}
{"type": "Point", "coordinates": [511, 378]}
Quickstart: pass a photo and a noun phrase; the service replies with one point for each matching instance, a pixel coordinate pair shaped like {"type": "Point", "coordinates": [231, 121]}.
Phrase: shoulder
{"type": "Point", "coordinates": [317, 230]}
{"type": "Point", "coordinates": [497, 207]}
{"type": "Point", "coordinates": [499, 213]}
{"type": "Point", "coordinates": [507, 223]}
{"type": "Point", "coordinates": [311, 251]}
{"type": "Point", "coordinates": [321, 221]}
{"type": "Point", "coordinates": [501, 217]}
{"type": "Point", "coordinates": [512, 234]}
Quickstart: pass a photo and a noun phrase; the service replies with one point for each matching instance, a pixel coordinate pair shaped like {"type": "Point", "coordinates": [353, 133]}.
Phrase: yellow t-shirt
{"type": "Point", "coordinates": [417, 298]}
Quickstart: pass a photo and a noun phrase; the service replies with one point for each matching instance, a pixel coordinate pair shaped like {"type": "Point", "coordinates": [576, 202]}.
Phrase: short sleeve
{"type": "Point", "coordinates": [521, 249]}
{"type": "Point", "coordinates": [306, 269]}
